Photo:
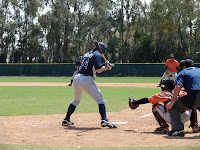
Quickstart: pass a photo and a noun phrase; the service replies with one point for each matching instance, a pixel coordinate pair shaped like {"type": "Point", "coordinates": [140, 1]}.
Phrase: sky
{"type": "Point", "coordinates": [147, 1]}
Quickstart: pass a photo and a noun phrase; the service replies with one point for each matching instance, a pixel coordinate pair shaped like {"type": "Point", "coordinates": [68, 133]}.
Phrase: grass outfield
{"type": "Point", "coordinates": [40, 100]}
{"type": "Point", "coordinates": [68, 79]}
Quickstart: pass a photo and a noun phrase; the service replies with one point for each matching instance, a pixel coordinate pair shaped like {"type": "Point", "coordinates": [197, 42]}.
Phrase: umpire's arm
{"type": "Point", "coordinates": [176, 93]}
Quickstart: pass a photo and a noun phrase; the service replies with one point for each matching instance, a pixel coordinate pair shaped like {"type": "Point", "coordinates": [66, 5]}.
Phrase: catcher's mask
{"type": "Point", "coordinates": [167, 84]}
{"type": "Point", "coordinates": [102, 46]}
{"type": "Point", "coordinates": [187, 63]}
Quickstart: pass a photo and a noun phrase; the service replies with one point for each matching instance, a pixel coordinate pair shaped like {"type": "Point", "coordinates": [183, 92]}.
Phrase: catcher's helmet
{"type": "Point", "coordinates": [169, 84]}
{"type": "Point", "coordinates": [80, 57]}
{"type": "Point", "coordinates": [102, 46]}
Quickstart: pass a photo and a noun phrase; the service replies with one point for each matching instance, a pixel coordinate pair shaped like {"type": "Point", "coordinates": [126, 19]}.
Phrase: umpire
{"type": "Point", "coordinates": [189, 78]}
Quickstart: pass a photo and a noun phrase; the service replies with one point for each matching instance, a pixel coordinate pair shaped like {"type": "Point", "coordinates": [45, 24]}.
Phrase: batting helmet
{"type": "Point", "coordinates": [169, 84]}
{"type": "Point", "coordinates": [102, 46]}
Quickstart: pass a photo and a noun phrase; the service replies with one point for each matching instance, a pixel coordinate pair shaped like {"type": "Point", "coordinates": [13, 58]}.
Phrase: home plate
{"type": "Point", "coordinates": [119, 122]}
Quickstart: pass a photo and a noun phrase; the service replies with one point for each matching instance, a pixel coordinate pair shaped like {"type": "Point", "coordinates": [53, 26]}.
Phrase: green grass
{"type": "Point", "coordinates": [41, 100]}
{"type": "Point", "coordinates": [31, 147]}
{"type": "Point", "coordinates": [35, 79]}
{"type": "Point", "coordinates": [99, 79]}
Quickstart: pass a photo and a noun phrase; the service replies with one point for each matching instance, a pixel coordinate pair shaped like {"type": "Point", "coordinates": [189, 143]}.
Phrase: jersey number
{"type": "Point", "coordinates": [84, 63]}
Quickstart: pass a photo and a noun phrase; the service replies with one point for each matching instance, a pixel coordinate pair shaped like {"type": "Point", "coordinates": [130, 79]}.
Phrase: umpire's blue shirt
{"type": "Point", "coordinates": [189, 78]}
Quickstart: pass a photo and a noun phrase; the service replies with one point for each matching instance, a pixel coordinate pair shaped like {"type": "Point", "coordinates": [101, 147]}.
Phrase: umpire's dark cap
{"type": "Point", "coordinates": [187, 63]}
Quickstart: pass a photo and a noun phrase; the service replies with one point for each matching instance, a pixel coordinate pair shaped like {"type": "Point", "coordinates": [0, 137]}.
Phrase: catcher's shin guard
{"type": "Point", "coordinates": [193, 118]}
{"type": "Point", "coordinates": [159, 119]}
{"type": "Point", "coordinates": [194, 121]}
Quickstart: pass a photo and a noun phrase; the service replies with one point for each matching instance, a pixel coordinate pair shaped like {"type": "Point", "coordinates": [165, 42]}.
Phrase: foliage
{"type": "Point", "coordinates": [56, 31]}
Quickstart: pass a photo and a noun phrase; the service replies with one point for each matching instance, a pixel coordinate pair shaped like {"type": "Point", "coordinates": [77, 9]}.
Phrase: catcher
{"type": "Point", "coordinates": [159, 110]}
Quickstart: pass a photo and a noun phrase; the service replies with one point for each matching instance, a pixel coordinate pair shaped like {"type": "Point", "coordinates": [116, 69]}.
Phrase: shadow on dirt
{"type": "Point", "coordinates": [131, 131]}
{"type": "Point", "coordinates": [178, 137]}
{"type": "Point", "coordinates": [82, 128]}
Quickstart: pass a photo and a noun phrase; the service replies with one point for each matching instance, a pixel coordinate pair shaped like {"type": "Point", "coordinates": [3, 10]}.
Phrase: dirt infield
{"type": "Point", "coordinates": [134, 129]}
{"type": "Point", "coordinates": [146, 85]}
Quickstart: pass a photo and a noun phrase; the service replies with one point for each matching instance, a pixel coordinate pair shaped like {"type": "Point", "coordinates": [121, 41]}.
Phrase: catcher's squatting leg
{"type": "Point", "coordinates": [193, 118]}
{"type": "Point", "coordinates": [161, 110]}
{"type": "Point", "coordinates": [159, 119]}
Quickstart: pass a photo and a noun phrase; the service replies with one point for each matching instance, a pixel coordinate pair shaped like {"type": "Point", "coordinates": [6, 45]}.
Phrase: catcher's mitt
{"type": "Point", "coordinates": [132, 104]}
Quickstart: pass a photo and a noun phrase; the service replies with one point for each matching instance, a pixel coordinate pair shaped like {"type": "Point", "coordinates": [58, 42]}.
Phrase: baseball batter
{"type": "Point", "coordinates": [159, 110]}
{"type": "Point", "coordinates": [171, 68]}
{"type": "Point", "coordinates": [78, 63]}
{"type": "Point", "coordinates": [84, 82]}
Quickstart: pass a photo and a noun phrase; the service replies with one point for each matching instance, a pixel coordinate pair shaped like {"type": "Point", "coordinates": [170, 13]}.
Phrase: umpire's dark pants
{"type": "Point", "coordinates": [178, 105]}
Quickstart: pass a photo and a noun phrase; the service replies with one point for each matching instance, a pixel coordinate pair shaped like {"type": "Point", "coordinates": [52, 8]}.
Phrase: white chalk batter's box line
{"type": "Point", "coordinates": [136, 118]}
{"type": "Point", "coordinates": [143, 116]}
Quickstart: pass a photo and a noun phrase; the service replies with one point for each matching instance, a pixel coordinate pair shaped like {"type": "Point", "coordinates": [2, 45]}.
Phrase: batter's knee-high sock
{"type": "Point", "coordinates": [71, 109]}
{"type": "Point", "coordinates": [102, 111]}
{"type": "Point", "coordinates": [71, 81]}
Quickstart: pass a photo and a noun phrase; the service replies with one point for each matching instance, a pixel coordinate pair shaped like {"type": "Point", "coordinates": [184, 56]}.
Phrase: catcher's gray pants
{"type": "Point", "coordinates": [176, 115]}
{"type": "Point", "coordinates": [185, 116]}
{"type": "Point", "coordinates": [86, 83]}
{"type": "Point", "coordinates": [174, 75]}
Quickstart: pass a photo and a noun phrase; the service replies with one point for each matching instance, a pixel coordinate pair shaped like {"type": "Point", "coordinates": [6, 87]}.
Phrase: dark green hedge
{"type": "Point", "coordinates": [68, 69]}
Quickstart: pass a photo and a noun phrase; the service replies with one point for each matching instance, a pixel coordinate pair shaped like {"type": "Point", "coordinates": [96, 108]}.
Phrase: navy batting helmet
{"type": "Point", "coordinates": [169, 84]}
{"type": "Point", "coordinates": [102, 46]}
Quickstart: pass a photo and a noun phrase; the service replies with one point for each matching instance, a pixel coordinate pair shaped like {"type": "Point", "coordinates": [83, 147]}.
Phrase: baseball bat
{"type": "Point", "coordinates": [98, 47]}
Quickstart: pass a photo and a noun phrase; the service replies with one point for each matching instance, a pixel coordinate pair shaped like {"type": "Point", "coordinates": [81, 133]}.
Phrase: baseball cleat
{"type": "Point", "coordinates": [196, 129]}
{"type": "Point", "coordinates": [176, 133]}
{"type": "Point", "coordinates": [105, 123]}
{"type": "Point", "coordinates": [67, 123]}
{"type": "Point", "coordinates": [161, 130]}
